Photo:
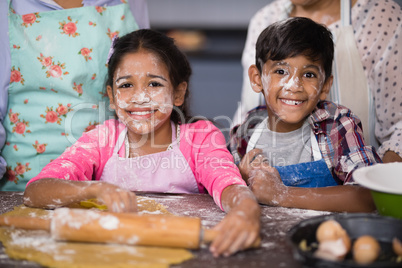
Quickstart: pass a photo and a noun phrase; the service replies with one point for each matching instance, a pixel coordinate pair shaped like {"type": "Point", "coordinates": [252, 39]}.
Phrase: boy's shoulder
{"type": "Point", "coordinates": [253, 118]}
{"type": "Point", "coordinates": [328, 110]}
{"type": "Point", "coordinates": [325, 110]}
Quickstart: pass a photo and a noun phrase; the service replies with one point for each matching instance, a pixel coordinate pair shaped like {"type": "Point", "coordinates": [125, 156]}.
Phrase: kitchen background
{"type": "Point", "coordinates": [212, 33]}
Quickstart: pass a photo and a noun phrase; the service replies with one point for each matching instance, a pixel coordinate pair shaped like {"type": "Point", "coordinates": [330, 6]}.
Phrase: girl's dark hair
{"type": "Point", "coordinates": [293, 37]}
{"type": "Point", "coordinates": [164, 47]}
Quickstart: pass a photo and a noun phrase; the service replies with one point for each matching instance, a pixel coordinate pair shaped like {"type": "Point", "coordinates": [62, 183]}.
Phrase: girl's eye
{"type": "Point", "coordinates": [155, 84]}
{"type": "Point", "coordinates": [125, 85]}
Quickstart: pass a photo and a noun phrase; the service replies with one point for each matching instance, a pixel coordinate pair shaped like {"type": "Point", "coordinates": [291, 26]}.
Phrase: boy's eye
{"type": "Point", "coordinates": [280, 71]}
{"type": "Point", "coordinates": [310, 75]}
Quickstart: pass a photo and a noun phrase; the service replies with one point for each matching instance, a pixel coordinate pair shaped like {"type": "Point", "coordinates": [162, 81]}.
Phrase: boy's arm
{"type": "Point", "coordinates": [267, 186]}
{"type": "Point", "coordinates": [50, 193]}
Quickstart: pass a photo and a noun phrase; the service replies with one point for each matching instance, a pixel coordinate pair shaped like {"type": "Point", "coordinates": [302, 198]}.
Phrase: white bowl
{"type": "Point", "coordinates": [386, 178]}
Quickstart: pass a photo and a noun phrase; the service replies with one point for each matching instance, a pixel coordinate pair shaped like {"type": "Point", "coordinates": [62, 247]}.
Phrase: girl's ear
{"type": "Point", "coordinates": [255, 78]}
{"type": "Point", "coordinates": [179, 94]}
{"type": "Point", "coordinates": [326, 87]}
{"type": "Point", "coordinates": [111, 97]}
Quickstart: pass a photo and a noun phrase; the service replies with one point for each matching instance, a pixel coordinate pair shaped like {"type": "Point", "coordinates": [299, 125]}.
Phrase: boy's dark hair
{"type": "Point", "coordinates": [293, 37]}
{"type": "Point", "coordinates": [164, 47]}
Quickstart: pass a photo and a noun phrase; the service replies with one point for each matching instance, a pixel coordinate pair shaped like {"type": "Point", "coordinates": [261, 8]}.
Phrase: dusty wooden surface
{"type": "Point", "coordinates": [274, 252]}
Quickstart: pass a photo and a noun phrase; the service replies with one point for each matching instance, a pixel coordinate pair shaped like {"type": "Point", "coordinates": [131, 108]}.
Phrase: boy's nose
{"type": "Point", "coordinates": [293, 84]}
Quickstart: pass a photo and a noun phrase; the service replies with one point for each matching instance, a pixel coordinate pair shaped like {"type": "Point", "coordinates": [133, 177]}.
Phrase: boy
{"type": "Point", "coordinates": [303, 154]}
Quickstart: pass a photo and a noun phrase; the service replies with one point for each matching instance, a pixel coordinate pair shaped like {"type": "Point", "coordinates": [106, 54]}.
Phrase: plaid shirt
{"type": "Point", "coordinates": [337, 130]}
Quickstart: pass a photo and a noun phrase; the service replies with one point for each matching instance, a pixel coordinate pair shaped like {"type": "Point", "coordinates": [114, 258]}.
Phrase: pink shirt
{"type": "Point", "coordinates": [202, 144]}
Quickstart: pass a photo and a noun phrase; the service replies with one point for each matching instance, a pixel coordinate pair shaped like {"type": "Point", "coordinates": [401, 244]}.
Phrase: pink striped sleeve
{"type": "Point", "coordinates": [204, 146]}
{"type": "Point", "coordinates": [86, 158]}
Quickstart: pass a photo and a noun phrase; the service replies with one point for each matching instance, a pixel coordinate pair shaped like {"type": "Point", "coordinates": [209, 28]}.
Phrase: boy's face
{"type": "Point", "coordinates": [292, 88]}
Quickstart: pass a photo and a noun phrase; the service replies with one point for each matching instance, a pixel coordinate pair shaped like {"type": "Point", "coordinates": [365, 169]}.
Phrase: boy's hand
{"type": "Point", "coordinates": [266, 184]}
{"type": "Point", "coordinates": [116, 198]}
{"type": "Point", "coordinates": [251, 161]}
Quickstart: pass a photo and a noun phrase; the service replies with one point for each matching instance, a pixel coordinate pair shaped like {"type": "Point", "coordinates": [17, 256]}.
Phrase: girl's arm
{"type": "Point", "coordinates": [241, 226]}
{"type": "Point", "coordinates": [51, 193]}
{"type": "Point", "coordinates": [267, 186]}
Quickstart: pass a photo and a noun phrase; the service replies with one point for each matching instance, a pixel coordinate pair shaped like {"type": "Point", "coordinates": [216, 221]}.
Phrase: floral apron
{"type": "Point", "coordinates": [56, 92]}
{"type": "Point", "coordinates": [309, 174]}
{"type": "Point", "coordinates": [163, 172]}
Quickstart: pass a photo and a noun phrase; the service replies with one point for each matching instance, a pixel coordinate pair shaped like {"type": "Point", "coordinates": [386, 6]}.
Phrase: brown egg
{"type": "Point", "coordinates": [397, 246]}
{"type": "Point", "coordinates": [334, 242]}
{"type": "Point", "coordinates": [366, 249]}
{"type": "Point", "coordinates": [328, 230]}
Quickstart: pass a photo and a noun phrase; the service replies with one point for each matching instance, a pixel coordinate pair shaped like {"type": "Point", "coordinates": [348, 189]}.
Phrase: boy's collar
{"type": "Point", "coordinates": [320, 113]}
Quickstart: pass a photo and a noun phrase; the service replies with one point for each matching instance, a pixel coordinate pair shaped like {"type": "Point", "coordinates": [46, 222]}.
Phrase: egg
{"type": "Point", "coordinates": [397, 246]}
{"type": "Point", "coordinates": [329, 230]}
{"type": "Point", "coordinates": [334, 242]}
{"type": "Point", "coordinates": [366, 249]}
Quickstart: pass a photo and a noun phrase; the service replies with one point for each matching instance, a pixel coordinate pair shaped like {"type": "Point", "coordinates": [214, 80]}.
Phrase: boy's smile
{"type": "Point", "coordinates": [292, 88]}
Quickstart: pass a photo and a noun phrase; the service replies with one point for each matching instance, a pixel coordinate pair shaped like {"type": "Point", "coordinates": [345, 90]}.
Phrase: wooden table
{"type": "Point", "coordinates": [274, 252]}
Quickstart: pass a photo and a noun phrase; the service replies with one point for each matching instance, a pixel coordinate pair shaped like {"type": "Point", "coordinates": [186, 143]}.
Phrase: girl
{"type": "Point", "coordinates": [150, 148]}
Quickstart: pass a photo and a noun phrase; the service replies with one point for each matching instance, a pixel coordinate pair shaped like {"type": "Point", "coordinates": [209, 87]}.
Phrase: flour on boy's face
{"type": "Point", "coordinates": [142, 93]}
{"type": "Point", "coordinates": [292, 88]}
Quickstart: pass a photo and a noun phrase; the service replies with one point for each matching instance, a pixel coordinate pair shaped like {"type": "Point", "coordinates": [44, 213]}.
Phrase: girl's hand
{"type": "Point", "coordinates": [241, 226]}
{"type": "Point", "coordinates": [267, 186]}
{"type": "Point", "coordinates": [116, 198]}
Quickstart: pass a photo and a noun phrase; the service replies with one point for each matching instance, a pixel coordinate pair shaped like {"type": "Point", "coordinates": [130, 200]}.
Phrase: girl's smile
{"type": "Point", "coordinates": [142, 94]}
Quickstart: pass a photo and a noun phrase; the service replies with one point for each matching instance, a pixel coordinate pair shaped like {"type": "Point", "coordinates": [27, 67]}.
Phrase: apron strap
{"type": "Point", "coordinates": [120, 141]}
{"type": "Point", "coordinates": [315, 149]}
{"type": "Point", "coordinates": [256, 135]}
{"type": "Point", "coordinates": [345, 13]}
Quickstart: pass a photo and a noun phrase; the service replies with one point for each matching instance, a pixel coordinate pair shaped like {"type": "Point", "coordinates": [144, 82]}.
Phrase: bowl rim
{"type": "Point", "coordinates": [358, 176]}
{"type": "Point", "coordinates": [309, 260]}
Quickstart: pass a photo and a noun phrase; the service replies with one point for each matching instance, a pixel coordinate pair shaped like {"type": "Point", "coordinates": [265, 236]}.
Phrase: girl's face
{"type": "Point", "coordinates": [292, 88]}
{"type": "Point", "coordinates": [142, 94]}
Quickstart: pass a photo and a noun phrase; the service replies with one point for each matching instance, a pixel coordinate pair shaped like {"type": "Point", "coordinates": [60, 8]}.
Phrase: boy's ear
{"type": "Point", "coordinates": [255, 78]}
{"type": "Point", "coordinates": [179, 94]}
{"type": "Point", "coordinates": [111, 97]}
{"type": "Point", "coordinates": [326, 88]}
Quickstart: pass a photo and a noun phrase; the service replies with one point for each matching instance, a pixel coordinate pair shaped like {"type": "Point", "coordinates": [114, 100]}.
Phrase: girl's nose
{"type": "Point", "coordinates": [141, 96]}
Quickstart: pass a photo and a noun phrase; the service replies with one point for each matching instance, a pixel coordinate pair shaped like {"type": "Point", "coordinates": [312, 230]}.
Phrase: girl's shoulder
{"type": "Point", "coordinates": [108, 128]}
{"type": "Point", "coordinates": [204, 125]}
{"type": "Point", "coordinates": [200, 132]}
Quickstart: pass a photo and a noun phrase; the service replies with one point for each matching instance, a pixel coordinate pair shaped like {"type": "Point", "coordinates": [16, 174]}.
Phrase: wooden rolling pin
{"type": "Point", "coordinates": [122, 228]}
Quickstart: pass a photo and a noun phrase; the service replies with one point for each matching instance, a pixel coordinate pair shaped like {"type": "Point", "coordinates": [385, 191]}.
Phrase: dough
{"type": "Point", "coordinates": [38, 246]}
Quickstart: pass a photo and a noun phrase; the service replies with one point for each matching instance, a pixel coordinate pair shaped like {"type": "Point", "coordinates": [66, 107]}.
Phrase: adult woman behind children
{"type": "Point", "coordinates": [368, 50]}
{"type": "Point", "coordinates": [53, 56]}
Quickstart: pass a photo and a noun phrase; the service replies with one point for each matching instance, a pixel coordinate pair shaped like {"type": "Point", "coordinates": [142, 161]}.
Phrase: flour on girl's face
{"type": "Point", "coordinates": [143, 93]}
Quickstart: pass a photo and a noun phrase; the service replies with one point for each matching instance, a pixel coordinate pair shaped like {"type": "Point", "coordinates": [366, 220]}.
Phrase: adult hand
{"type": "Point", "coordinates": [391, 156]}
{"type": "Point", "coordinates": [116, 198]}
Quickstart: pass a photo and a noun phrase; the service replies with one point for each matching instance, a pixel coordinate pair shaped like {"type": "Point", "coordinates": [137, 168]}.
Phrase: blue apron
{"type": "Point", "coordinates": [309, 174]}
